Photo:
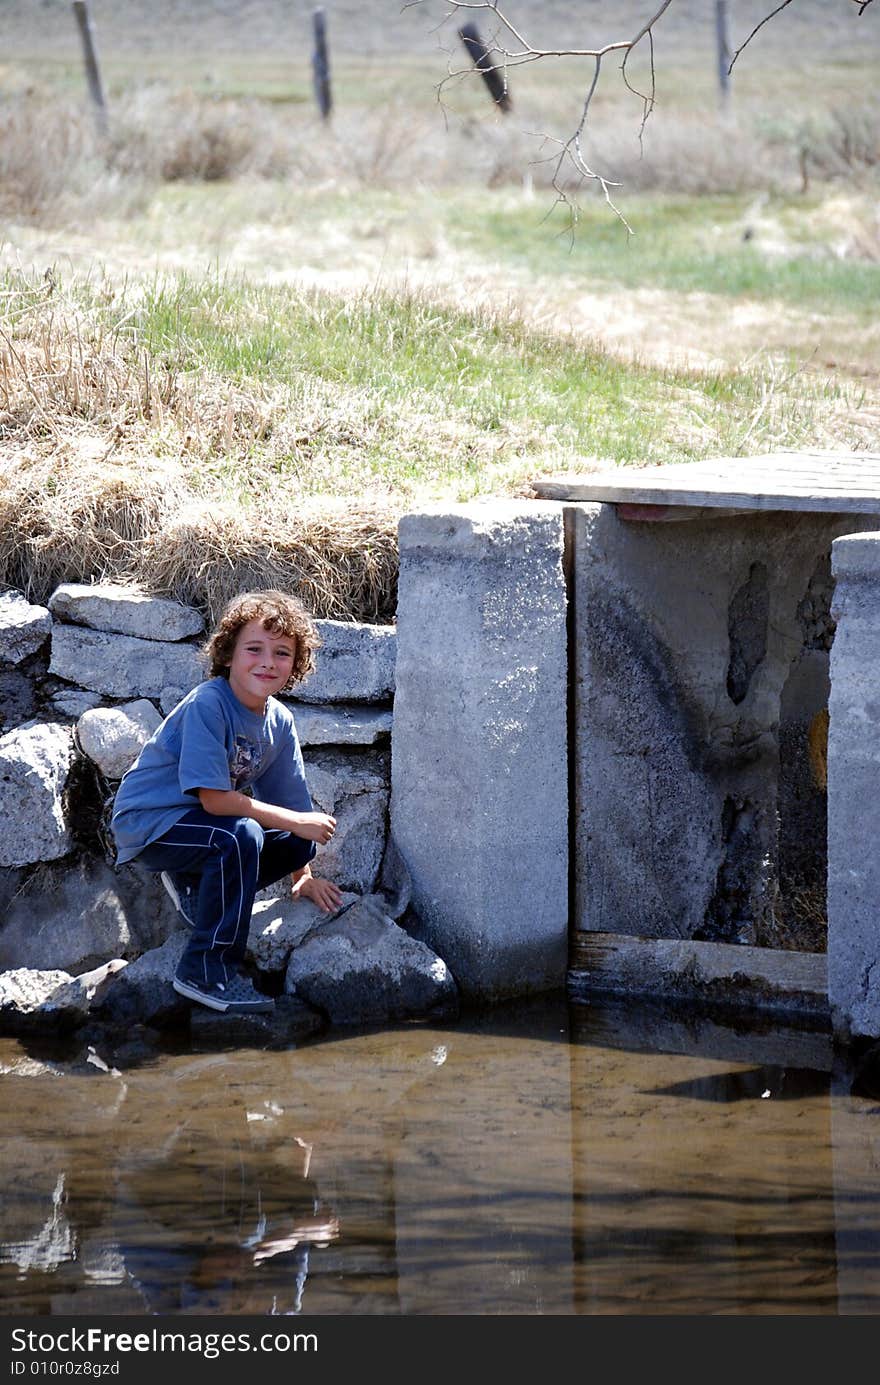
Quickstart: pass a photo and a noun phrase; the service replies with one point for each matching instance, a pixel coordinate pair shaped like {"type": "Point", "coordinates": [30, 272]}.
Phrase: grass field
{"type": "Point", "coordinates": [232, 328]}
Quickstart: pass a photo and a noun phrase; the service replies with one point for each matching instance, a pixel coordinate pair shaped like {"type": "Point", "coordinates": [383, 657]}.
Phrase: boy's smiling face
{"type": "Point", "coordinates": [261, 664]}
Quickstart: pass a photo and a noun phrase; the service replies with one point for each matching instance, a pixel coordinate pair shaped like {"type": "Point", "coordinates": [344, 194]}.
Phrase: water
{"type": "Point", "coordinates": [540, 1159]}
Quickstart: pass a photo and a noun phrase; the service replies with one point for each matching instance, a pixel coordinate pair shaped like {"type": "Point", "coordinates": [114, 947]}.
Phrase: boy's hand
{"type": "Point", "coordinates": [316, 827]}
{"type": "Point", "coordinates": [321, 892]}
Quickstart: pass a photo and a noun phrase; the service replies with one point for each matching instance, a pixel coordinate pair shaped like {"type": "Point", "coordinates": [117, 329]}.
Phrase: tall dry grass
{"type": "Point", "coordinates": [101, 451]}
{"type": "Point", "coordinates": [54, 163]}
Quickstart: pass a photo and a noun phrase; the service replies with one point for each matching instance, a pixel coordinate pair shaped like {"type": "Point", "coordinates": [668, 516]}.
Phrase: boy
{"type": "Point", "coordinates": [217, 800]}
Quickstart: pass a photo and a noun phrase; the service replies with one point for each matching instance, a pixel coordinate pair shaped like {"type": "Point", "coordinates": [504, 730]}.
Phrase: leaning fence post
{"type": "Point", "coordinates": [722, 40]}
{"type": "Point", "coordinates": [321, 64]}
{"type": "Point", "coordinates": [90, 58]}
{"type": "Point", "coordinates": [482, 56]}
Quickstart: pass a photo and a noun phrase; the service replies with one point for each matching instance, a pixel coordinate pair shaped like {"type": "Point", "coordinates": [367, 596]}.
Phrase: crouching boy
{"type": "Point", "coordinates": [217, 800]}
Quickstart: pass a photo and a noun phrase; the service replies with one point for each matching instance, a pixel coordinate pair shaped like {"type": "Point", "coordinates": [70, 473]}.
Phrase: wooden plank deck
{"type": "Point", "coordinates": [831, 482]}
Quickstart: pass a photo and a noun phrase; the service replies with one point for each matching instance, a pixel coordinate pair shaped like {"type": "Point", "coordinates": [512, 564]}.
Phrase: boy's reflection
{"type": "Point", "coordinates": [224, 1217]}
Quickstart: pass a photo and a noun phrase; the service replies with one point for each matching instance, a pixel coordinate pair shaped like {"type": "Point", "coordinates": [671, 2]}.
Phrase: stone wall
{"type": "Point", "coordinates": [84, 682]}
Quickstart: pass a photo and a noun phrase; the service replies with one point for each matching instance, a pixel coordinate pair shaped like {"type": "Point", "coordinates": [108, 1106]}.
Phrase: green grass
{"type": "Point", "coordinates": [733, 247]}
{"type": "Point", "coordinates": [431, 400]}
{"type": "Point", "coordinates": [684, 245]}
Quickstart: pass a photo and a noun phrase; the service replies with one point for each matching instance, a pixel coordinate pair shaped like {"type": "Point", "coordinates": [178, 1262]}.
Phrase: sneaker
{"type": "Point", "coordinates": [234, 997]}
{"type": "Point", "coordinates": [184, 896]}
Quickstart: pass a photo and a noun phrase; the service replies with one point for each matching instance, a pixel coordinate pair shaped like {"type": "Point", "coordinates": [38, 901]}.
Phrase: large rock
{"type": "Point", "coordinates": [51, 1001]}
{"type": "Point", "coordinates": [125, 611]}
{"type": "Point", "coordinates": [854, 791]}
{"type": "Point", "coordinates": [121, 666]}
{"type": "Point", "coordinates": [34, 765]}
{"type": "Point", "coordinates": [113, 737]}
{"type": "Point", "coordinates": [278, 925]}
{"type": "Point", "coordinates": [354, 664]}
{"type": "Point", "coordinates": [479, 798]}
{"type": "Point", "coordinates": [354, 789]}
{"type": "Point", "coordinates": [23, 627]}
{"type": "Point", "coordinates": [75, 916]}
{"type": "Point", "coordinates": [18, 702]}
{"type": "Point", "coordinates": [362, 969]}
{"type": "Point", "coordinates": [144, 992]}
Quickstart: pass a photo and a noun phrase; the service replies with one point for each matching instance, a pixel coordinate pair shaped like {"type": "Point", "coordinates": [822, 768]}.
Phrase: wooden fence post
{"type": "Point", "coordinates": [90, 58]}
{"type": "Point", "coordinates": [321, 64]}
{"type": "Point", "coordinates": [482, 58]}
{"type": "Point", "coordinates": [722, 35]}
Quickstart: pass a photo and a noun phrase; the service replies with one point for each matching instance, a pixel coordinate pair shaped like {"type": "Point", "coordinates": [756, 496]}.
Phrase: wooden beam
{"type": "Point", "coordinates": [723, 974]}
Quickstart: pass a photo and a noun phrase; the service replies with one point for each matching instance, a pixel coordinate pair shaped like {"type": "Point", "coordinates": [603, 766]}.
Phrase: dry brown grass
{"type": "Point", "coordinates": [101, 480]}
{"type": "Point", "coordinates": [340, 558]}
{"type": "Point", "coordinates": [67, 516]}
{"type": "Point", "coordinates": [54, 166]}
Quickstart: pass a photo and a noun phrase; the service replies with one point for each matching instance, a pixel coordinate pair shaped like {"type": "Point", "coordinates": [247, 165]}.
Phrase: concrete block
{"type": "Point", "coordinates": [479, 800]}
{"type": "Point", "coordinates": [854, 790]}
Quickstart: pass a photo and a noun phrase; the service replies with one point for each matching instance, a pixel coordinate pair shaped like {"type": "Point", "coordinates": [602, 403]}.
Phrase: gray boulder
{"type": "Point", "coordinates": [76, 915]}
{"type": "Point", "coordinates": [144, 992]}
{"type": "Point", "coordinates": [363, 969]}
{"type": "Point", "coordinates": [51, 1001]}
{"type": "Point", "coordinates": [122, 666]}
{"type": "Point", "coordinates": [23, 627]}
{"type": "Point", "coordinates": [125, 611]}
{"type": "Point", "coordinates": [113, 737]}
{"type": "Point", "coordinates": [34, 766]}
{"type": "Point", "coordinates": [278, 925]}
{"type": "Point", "coordinates": [355, 790]}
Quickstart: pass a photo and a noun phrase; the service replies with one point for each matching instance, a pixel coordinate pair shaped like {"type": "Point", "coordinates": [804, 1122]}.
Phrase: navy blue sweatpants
{"type": "Point", "coordinates": [233, 858]}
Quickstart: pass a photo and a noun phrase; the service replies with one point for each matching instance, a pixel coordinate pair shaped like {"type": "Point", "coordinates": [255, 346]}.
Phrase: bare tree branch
{"type": "Point", "coordinates": [507, 47]}
{"type": "Point", "coordinates": [765, 20]}
{"type": "Point", "coordinates": [513, 49]}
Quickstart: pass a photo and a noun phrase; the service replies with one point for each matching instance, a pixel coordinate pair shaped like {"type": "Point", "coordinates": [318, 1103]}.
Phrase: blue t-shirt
{"type": "Point", "coordinates": [209, 741]}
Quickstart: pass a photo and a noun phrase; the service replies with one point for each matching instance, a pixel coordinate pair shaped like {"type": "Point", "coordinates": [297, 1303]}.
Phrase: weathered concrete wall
{"type": "Point", "coordinates": [687, 636]}
{"type": "Point", "coordinates": [854, 790]}
{"type": "Point", "coordinates": [479, 799]}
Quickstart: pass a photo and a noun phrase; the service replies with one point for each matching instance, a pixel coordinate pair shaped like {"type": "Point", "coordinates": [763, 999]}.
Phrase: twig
{"type": "Point", "coordinates": [765, 20]}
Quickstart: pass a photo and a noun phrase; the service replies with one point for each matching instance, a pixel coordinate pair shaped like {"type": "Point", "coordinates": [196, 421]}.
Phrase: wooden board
{"type": "Point", "coordinates": [832, 482]}
{"type": "Point", "coordinates": [760, 978]}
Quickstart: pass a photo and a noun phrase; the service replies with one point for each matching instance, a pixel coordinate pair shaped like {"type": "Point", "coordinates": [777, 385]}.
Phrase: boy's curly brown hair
{"type": "Point", "coordinates": [278, 613]}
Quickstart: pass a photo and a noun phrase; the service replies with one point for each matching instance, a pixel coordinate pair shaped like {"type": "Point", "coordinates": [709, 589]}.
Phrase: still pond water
{"type": "Point", "coordinates": [544, 1158]}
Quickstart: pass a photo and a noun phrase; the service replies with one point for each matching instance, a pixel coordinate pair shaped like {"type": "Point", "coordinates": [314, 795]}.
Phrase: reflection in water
{"type": "Point", "coordinates": [538, 1159]}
